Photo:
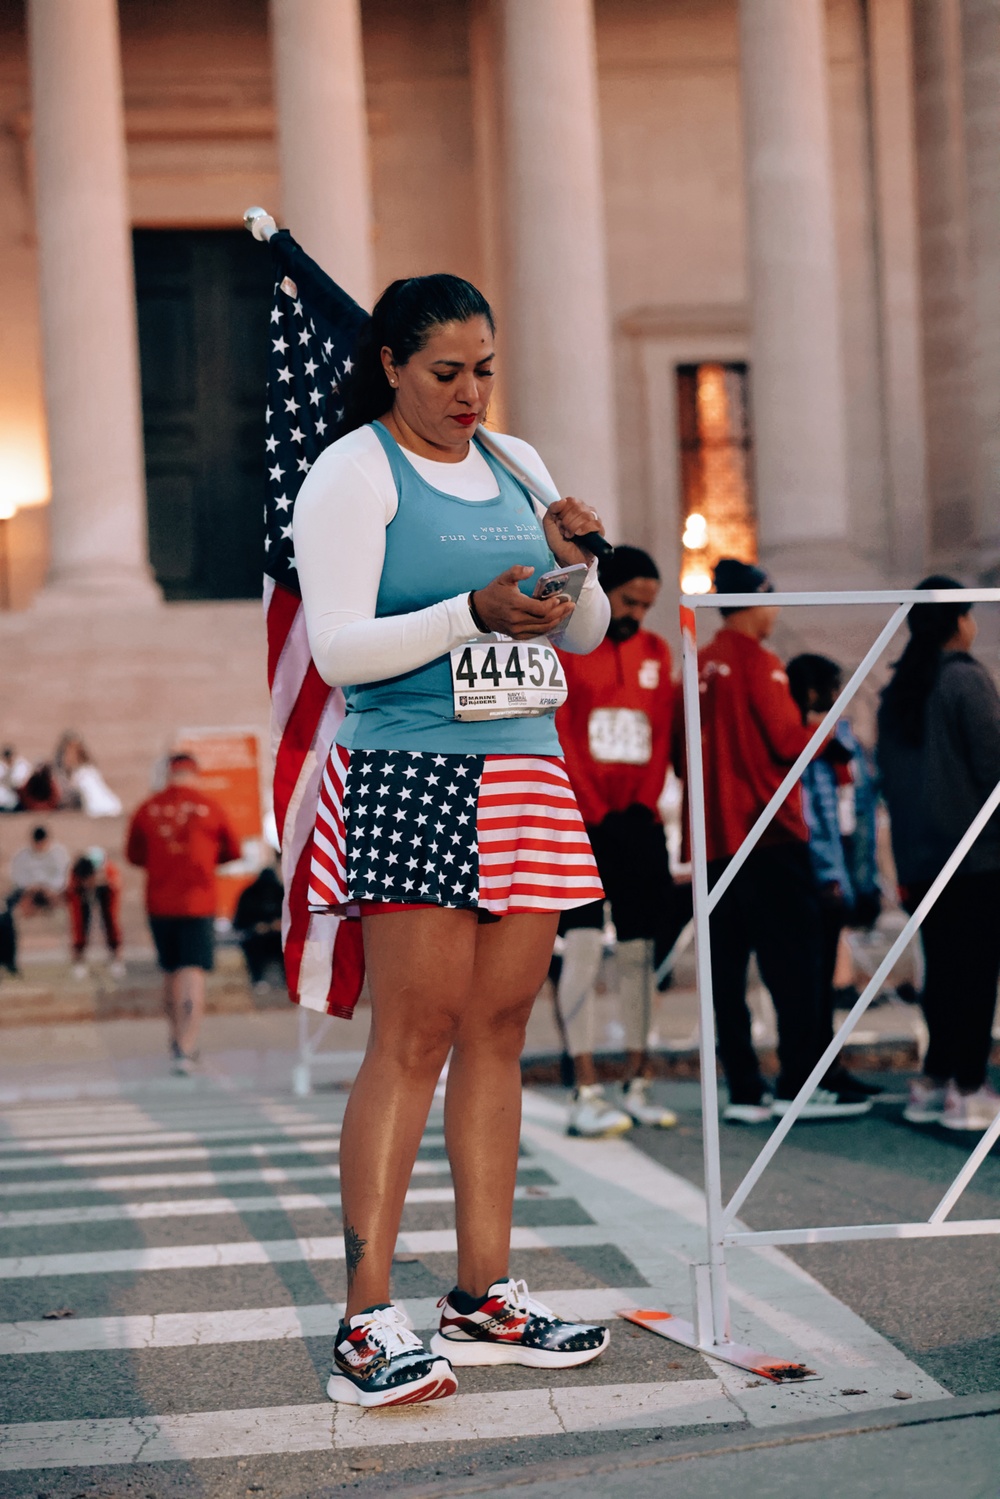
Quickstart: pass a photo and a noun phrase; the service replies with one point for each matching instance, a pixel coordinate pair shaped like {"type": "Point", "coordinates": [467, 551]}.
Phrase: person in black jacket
{"type": "Point", "coordinates": [258, 921]}
{"type": "Point", "coordinates": [939, 758]}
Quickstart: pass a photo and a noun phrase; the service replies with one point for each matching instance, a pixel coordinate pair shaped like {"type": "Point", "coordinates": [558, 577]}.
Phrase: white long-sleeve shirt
{"type": "Point", "coordinates": [344, 505]}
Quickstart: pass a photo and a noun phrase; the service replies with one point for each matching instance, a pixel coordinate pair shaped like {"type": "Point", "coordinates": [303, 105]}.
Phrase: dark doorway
{"type": "Point", "coordinates": [203, 316]}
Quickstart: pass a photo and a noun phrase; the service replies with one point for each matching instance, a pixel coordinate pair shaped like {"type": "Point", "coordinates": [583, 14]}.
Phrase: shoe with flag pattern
{"type": "Point", "coordinates": [378, 1360]}
{"type": "Point", "coordinates": [508, 1326]}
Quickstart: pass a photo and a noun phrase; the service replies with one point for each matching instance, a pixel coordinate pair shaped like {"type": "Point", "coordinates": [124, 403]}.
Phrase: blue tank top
{"type": "Point", "coordinates": [437, 546]}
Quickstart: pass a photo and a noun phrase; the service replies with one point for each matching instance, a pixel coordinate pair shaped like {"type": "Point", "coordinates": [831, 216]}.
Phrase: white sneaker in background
{"type": "Point", "coordinates": [972, 1111]}
{"type": "Point", "coordinates": [825, 1103]}
{"type": "Point", "coordinates": [926, 1102]}
{"type": "Point", "coordinates": [79, 972]}
{"type": "Point", "coordinates": [116, 968]}
{"type": "Point", "coordinates": [749, 1113]}
{"type": "Point", "coordinates": [592, 1117]}
{"type": "Point", "coordinates": [641, 1110]}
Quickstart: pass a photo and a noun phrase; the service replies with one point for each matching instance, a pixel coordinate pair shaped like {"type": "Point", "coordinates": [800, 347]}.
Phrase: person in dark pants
{"type": "Point", "coordinates": [752, 731]}
{"type": "Point", "coordinates": [939, 758]}
{"type": "Point", "coordinates": [834, 802]}
{"type": "Point", "coordinates": [258, 920]}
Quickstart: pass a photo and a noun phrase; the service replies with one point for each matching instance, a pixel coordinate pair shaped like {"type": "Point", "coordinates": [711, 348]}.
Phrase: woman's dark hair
{"type": "Point", "coordinates": [914, 674]}
{"type": "Point", "coordinates": [403, 319]}
{"type": "Point", "coordinates": [808, 673]}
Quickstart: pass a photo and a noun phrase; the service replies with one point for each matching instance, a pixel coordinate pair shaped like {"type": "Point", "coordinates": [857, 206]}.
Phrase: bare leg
{"type": "Point", "coordinates": [420, 965]}
{"type": "Point", "coordinates": [483, 1100]}
{"type": "Point", "coordinates": [170, 1005]}
{"type": "Point", "coordinates": [188, 1007]}
{"type": "Point", "coordinates": [584, 1070]}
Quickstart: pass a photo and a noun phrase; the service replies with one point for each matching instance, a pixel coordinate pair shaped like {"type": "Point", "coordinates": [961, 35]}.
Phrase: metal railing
{"type": "Point", "coordinates": [711, 1329]}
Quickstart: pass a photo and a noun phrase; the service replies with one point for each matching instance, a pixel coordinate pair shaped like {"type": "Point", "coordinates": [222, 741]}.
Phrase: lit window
{"type": "Point", "coordinates": [717, 498]}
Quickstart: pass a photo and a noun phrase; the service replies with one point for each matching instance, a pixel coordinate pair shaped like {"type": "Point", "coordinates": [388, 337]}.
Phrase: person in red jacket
{"type": "Point", "coordinates": [752, 731]}
{"type": "Point", "coordinates": [178, 836]}
{"type": "Point", "coordinates": [615, 733]}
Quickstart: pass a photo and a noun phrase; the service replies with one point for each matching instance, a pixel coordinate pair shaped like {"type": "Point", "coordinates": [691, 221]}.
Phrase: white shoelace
{"type": "Point", "coordinates": [387, 1326]}
{"type": "Point", "coordinates": [517, 1296]}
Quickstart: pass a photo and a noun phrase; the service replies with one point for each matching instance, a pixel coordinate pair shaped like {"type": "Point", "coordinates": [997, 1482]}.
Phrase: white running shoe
{"type": "Point", "coordinates": [971, 1111]}
{"type": "Point", "coordinates": [79, 972]}
{"type": "Point", "coordinates": [926, 1102]}
{"type": "Point", "coordinates": [378, 1360]}
{"type": "Point", "coordinates": [749, 1113]}
{"type": "Point", "coordinates": [825, 1104]}
{"type": "Point", "coordinates": [641, 1111]}
{"type": "Point", "coordinates": [116, 968]}
{"type": "Point", "coordinates": [510, 1327]}
{"type": "Point", "coordinates": [593, 1118]}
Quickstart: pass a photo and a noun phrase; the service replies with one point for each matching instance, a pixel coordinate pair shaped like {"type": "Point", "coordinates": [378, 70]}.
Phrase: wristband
{"type": "Point", "coordinates": [483, 629]}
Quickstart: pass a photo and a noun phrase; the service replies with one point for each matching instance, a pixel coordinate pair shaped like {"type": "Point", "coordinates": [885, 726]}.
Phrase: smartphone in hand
{"type": "Point", "coordinates": [565, 581]}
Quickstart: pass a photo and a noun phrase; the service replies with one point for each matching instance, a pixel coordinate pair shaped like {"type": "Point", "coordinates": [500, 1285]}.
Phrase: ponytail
{"type": "Point", "coordinates": [904, 699]}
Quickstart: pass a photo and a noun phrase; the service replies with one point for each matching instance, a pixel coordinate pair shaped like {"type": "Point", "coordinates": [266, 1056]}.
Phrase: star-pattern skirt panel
{"type": "Point", "coordinates": [496, 833]}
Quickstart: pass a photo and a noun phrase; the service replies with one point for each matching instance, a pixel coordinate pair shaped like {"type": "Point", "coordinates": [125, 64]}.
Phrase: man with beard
{"type": "Point", "coordinates": [615, 732]}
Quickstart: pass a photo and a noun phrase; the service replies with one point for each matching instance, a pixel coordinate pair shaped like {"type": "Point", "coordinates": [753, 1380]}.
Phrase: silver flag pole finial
{"type": "Point", "coordinates": [260, 224]}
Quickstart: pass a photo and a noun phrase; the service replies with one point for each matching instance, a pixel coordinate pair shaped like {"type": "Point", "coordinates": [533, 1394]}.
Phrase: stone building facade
{"type": "Point", "coordinates": [745, 256]}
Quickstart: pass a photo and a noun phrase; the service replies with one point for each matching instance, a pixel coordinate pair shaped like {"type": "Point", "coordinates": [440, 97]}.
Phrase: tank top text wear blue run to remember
{"type": "Point", "coordinates": [437, 546]}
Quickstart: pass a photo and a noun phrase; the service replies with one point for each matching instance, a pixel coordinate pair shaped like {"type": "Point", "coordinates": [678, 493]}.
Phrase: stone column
{"type": "Point", "coordinates": [897, 239]}
{"type": "Point", "coordinates": [981, 70]}
{"type": "Point", "coordinates": [323, 137]}
{"type": "Point", "coordinates": [555, 315]}
{"type": "Point", "coordinates": [796, 369]}
{"type": "Point", "coordinates": [98, 513]}
{"type": "Point", "coordinates": [944, 270]}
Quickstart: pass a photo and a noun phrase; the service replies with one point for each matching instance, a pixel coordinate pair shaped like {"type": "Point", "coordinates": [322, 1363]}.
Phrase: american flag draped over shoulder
{"type": "Point", "coordinates": [313, 333]}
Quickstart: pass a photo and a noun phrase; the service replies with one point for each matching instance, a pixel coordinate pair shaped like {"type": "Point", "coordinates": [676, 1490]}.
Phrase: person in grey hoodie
{"type": "Point", "coordinates": [939, 759]}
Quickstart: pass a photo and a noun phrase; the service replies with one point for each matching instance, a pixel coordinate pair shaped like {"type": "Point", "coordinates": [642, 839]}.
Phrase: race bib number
{"type": "Point", "coordinates": [506, 679]}
{"type": "Point", "coordinates": [620, 736]}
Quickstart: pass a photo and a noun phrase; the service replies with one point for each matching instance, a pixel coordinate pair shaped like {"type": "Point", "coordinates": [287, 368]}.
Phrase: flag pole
{"type": "Point", "coordinates": [262, 226]}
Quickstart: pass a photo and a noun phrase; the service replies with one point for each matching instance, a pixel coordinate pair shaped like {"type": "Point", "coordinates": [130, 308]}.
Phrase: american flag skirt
{"type": "Point", "coordinates": [499, 834]}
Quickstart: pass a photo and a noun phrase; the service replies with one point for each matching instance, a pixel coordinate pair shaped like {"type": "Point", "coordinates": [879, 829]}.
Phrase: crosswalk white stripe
{"type": "Point", "coordinates": [325, 1427]}
{"type": "Point", "coordinates": [260, 1324]}
{"type": "Point", "coordinates": [267, 1251]}
{"type": "Point", "coordinates": [154, 1181]}
{"type": "Point", "coordinates": [188, 1111]}
{"type": "Point", "coordinates": [182, 1153]}
{"type": "Point", "coordinates": [208, 1207]}
{"type": "Point", "coordinates": [192, 1136]}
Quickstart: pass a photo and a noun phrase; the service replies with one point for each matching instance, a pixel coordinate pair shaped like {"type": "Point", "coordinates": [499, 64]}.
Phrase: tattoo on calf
{"type": "Point", "coordinates": [354, 1250]}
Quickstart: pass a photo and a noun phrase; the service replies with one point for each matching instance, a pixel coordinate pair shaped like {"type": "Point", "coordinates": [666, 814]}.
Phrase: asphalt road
{"type": "Point", "coordinates": [937, 1299]}
{"type": "Point", "coordinates": [172, 1248]}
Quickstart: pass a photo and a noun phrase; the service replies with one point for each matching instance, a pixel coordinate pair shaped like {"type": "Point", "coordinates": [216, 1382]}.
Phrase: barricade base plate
{"type": "Point", "coordinates": [666, 1325]}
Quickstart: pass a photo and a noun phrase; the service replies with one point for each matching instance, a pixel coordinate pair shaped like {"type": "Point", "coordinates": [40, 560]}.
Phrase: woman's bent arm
{"type": "Point", "coordinates": [339, 536]}
{"type": "Point", "coordinates": [588, 624]}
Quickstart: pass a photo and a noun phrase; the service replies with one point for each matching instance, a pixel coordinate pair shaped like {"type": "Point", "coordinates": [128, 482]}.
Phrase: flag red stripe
{"type": "Point", "coordinates": [281, 612]}
{"type": "Point", "coordinates": [297, 741]}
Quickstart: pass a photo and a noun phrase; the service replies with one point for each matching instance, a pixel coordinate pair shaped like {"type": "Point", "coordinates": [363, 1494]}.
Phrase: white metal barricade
{"type": "Point", "coordinates": [710, 1330]}
{"type": "Point", "coordinates": [315, 1027]}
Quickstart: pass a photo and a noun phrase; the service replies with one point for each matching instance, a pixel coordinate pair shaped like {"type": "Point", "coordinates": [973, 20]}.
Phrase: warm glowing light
{"type": "Point", "coordinates": [695, 532]}
{"type": "Point", "coordinates": [715, 465]}
{"type": "Point", "coordinates": [24, 479]}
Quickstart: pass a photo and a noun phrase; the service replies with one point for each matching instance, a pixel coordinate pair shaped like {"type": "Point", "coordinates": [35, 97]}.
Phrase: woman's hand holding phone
{"type": "Point", "coordinates": [502, 607]}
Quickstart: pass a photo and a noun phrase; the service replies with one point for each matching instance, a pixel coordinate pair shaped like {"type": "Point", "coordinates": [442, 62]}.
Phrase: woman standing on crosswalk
{"type": "Point", "coordinates": [446, 815]}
